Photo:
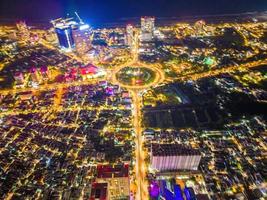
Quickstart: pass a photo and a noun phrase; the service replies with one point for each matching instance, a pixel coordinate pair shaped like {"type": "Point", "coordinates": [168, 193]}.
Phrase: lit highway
{"type": "Point", "coordinates": [140, 166]}
{"type": "Point", "coordinates": [215, 72]}
{"type": "Point", "coordinates": [51, 86]}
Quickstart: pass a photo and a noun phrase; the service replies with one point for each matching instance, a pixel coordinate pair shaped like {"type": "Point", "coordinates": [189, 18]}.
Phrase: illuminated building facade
{"type": "Point", "coordinates": [170, 191]}
{"type": "Point", "coordinates": [129, 35]}
{"type": "Point", "coordinates": [167, 157]}
{"type": "Point", "coordinates": [199, 27]}
{"type": "Point", "coordinates": [82, 38]}
{"type": "Point", "coordinates": [44, 71]}
{"type": "Point", "coordinates": [73, 35]}
{"type": "Point", "coordinates": [117, 179]}
{"type": "Point", "coordinates": [147, 28]}
{"type": "Point", "coordinates": [19, 78]}
{"type": "Point", "coordinates": [23, 31]}
{"type": "Point", "coordinates": [65, 37]}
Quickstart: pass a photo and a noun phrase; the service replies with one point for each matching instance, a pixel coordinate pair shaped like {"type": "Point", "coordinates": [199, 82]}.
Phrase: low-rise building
{"type": "Point", "coordinates": [117, 178]}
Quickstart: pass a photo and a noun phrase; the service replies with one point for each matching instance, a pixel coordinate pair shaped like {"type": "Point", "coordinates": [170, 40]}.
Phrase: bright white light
{"type": "Point", "coordinates": [84, 26]}
{"type": "Point", "coordinates": [34, 85]}
{"type": "Point", "coordinates": [68, 38]}
{"type": "Point", "coordinates": [67, 50]}
{"type": "Point", "coordinates": [101, 73]}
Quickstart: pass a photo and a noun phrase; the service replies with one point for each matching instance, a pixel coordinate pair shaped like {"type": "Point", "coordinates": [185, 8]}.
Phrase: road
{"type": "Point", "coordinates": [215, 72]}
{"type": "Point", "coordinates": [140, 166]}
{"type": "Point", "coordinates": [52, 86]}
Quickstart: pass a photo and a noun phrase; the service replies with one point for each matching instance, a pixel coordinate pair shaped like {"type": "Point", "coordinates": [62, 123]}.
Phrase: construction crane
{"type": "Point", "coordinates": [81, 21]}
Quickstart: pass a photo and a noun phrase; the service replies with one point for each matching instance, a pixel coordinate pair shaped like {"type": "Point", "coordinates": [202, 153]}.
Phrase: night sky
{"type": "Point", "coordinates": [97, 11]}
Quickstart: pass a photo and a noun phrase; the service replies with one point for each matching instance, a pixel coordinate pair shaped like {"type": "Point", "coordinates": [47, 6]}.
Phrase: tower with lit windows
{"type": "Point", "coordinates": [73, 34]}
{"type": "Point", "coordinates": [129, 37]}
{"type": "Point", "coordinates": [65, 37]}
{"type": "Point", "coordinates": [82, 38]}
{"type": "Point", "coordinates": [147, 28]}
{"type": "Point", "coordinates": [169, 157]}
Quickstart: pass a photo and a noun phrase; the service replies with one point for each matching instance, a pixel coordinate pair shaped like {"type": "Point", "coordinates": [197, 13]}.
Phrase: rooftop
{"type": "Point", "coordinates": [173, 150]}
{"type": "Point", "coordinates": [112, 171]}
{"type": "Point", "coordinates": [99, 191]}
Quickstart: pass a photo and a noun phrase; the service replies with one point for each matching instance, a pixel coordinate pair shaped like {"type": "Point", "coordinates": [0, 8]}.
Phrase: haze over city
{"type": "Point", "coordinates": [108, 11]}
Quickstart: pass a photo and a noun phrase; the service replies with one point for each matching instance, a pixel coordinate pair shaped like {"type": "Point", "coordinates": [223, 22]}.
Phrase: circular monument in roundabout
{"type": "Point", "coordinates": [138, 76]}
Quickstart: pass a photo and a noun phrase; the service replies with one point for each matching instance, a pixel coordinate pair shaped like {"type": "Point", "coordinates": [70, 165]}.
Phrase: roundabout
{"type": "Point", "coordinates": [135, 76]}
{"type": "Point", "coordinates": [138, 76]}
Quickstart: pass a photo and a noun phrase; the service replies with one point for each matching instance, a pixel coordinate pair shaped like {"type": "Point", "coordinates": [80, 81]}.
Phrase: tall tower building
{"type": "Point", "coordinates": [73, 35]}
{"type": "Point", "coordinates": [65, 37]}
{"type": "Point", "coordinates": [82, 38]}
{"type": "Point", "coordinates": [147, 28]}
{"type": "Point", "coordinates": [63, 29]}
{"type": "Point", "coordinates": [129, 37]}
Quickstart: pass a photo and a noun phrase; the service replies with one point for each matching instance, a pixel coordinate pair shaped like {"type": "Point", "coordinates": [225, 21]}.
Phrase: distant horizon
{"type": "Point", "coordinates": [98, 12]}
{"type": "Point", "coordinates": [135, 20]}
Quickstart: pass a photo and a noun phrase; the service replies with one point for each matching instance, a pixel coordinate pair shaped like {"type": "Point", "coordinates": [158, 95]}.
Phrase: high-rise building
{"type": "Point", "coordinates": [65, 37]}
{"type": "Point", "coordinates": [82, 38]}
{"type": "Point", "coordinates": [199, 27]}
{"type": "Point", "coordinates": [167, 157]}
{"type": "Point", "coordinates": [129, 37]}
{"type": "Point", "coordinates": [23, 31]}
{"type": "Point", "coordinates": [147, 24]}
{"type": "Point", "coordinates": [73, 34]}
{"type": "Point", "coordinates": [147, 28]}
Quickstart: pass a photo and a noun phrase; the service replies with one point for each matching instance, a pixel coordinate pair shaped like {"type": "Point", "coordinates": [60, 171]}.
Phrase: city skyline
{"type": "Point", "coordinates": [141, 110]}
{"type": "Point", "coordinates": [97, 12]}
